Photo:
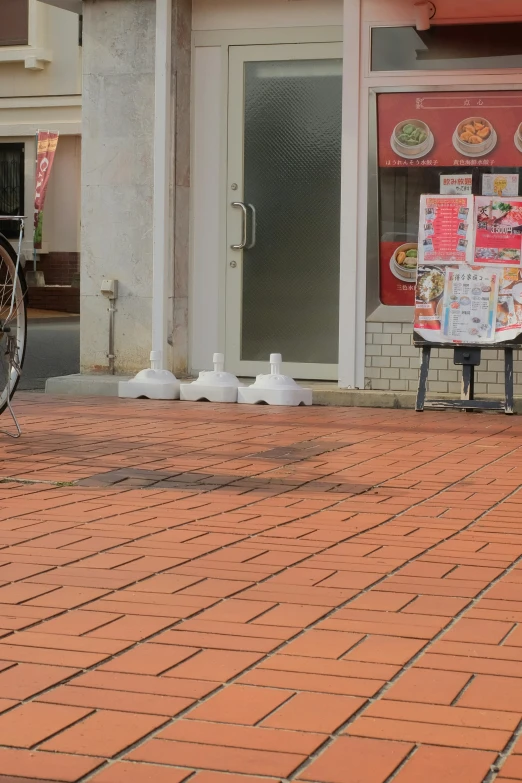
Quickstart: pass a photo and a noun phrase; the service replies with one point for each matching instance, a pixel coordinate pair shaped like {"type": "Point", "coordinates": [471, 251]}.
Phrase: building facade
{"type": "Point", "coordinates": [40, 89]}
{"type": "Point", "coordinates": [289, 197]}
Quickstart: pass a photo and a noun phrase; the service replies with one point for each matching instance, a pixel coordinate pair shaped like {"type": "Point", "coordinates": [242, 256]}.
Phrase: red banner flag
{"type": "Point", "coordinates": [47, 142]}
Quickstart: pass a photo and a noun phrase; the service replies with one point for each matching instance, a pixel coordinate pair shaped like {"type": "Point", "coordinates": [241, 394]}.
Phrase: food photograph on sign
{"type": "Point", "coordinates": [498, 226]}
{"type": "Point", "coordinates": [445, 144]}
{"type": "Point", "coordinates": [474, 137]}
{"type": "Point", "coordinates": [509, 305]}
{"type": "Point", "coordinates": [429, 289]}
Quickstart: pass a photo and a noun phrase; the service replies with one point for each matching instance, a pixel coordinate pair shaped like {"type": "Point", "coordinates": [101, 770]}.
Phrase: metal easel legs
{"type": "Point", "coordinates": [468, 358]}
{"type": "Point", "coordinates": [423, 377]}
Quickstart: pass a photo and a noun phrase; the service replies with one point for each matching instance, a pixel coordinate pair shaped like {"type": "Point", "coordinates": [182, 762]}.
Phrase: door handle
{"type": "Point", "coordinates": [244, 238]}
{"type": "Point", "coordinates": [254, 228]}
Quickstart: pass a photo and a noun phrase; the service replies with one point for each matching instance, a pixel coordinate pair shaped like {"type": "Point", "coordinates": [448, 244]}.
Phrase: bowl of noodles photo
{"type": "Point", "coordinates": [430, 285]}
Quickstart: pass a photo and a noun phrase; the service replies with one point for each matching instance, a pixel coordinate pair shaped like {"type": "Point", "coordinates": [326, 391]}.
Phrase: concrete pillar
{"type": "Point", "coordinates": [117, 181]}
{"type": "Point", "coordinates": [180, 195]}
{"type": "Point", "coordinates": [352, 309]}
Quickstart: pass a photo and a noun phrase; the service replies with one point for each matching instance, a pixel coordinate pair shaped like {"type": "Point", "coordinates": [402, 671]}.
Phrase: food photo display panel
{"type": "Point", "coordinates": [443, 143]}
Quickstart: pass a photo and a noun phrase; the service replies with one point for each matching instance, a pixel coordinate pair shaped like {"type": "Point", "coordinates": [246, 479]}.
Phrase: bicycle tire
{"type": "Point", "coordinates": [8, 265]}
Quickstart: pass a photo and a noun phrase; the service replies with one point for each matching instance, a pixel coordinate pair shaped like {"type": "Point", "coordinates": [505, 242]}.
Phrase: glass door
{"type": "Point", "coordinates": [283, 226]}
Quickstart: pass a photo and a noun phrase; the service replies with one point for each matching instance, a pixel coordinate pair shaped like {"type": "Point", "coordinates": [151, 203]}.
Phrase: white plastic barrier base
{"type": "Point", "coordinates": [201, 393]}
{"type": "Point", "coordinates": [212, 385]}
{"type": "Point", "coordinates": [153, 384]}
{"type": "Point", "coordinates": [275, 389]}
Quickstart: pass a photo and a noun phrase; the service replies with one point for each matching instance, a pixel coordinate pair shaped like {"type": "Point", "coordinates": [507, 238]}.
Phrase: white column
{"type": "Point", "coordinates": [352, 268]}
{"type": "Point", "coordinates": [157, 382]}
{"type": "Point", "coordinates": [161, 213]}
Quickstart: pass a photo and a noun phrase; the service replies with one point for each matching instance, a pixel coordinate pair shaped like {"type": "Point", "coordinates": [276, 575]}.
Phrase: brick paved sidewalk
{"type": "Point", "coordinates": [237, 595]}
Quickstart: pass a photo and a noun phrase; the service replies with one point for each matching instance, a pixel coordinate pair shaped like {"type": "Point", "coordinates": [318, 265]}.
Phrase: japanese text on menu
{"type": "Point", "coordinates": [498, 230]}
{"type": "Point", "coordinates": [470, 299]}
{"type": "Point", "coordinates": [446, 229]}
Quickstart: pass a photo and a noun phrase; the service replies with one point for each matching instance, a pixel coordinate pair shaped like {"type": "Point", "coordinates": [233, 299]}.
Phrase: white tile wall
{"type": "Point", "coordinates": [392, 364]}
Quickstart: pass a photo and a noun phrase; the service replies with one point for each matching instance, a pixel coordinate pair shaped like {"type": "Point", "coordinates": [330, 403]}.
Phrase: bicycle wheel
{"type": "Point", "coordinates": [13, 314]}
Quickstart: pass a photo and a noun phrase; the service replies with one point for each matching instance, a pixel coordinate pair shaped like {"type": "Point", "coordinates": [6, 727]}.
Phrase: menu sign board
{"type": "Point", "coordinates": [473, 295]}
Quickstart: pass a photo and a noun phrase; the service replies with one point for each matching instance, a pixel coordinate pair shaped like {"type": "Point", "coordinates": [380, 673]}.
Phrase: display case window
{"type": "Point", "coordinates": [447, 47]}
{"type": "Point", "coordinates": [438, 142]}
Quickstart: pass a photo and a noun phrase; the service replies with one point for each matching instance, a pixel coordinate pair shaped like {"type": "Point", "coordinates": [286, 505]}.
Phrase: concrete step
{"type": "Point", "coordinates": [92, 385]}
{"type": "Point", "coordinates": [324, 393]}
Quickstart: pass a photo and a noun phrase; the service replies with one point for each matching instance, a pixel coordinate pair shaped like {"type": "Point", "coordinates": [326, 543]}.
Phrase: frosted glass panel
{"type": "Point", "coordinates": [292, 175]}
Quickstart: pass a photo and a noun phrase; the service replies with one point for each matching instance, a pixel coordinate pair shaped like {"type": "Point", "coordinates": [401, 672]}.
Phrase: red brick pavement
{"type": "Point", "coordinates": [237, 595]}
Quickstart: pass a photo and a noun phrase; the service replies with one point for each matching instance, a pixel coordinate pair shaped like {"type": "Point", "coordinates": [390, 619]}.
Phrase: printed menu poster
{"type": "Point", "coordinates": [469, 304]}
{"type": "Point", "coordinates": [446, 230]}
{"type": "Point", "coordinates": [509, 304]}
{"type": "Point", "coordinates": [459, 303]}
{"type": "Point", "coordinates": [499, 185]}
{"type": "Point", "coordinates": [498, 230]}
{"type": "Point", "coordinates": [429, 291]}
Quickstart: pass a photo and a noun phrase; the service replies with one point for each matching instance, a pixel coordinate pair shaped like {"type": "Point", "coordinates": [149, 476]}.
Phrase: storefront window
{"type": "Point", "coordinates": [14, 30]}
{"type": "Point", "coordinates": [447, 47]}
{"type": "Point", "coordinates": [439, 142]}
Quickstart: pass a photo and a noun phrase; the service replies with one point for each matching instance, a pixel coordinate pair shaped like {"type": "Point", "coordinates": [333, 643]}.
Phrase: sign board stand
{"type": "Point", "coordinates": [468, 294]}
{"type": "Point", "coordinates": [468, 357]}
